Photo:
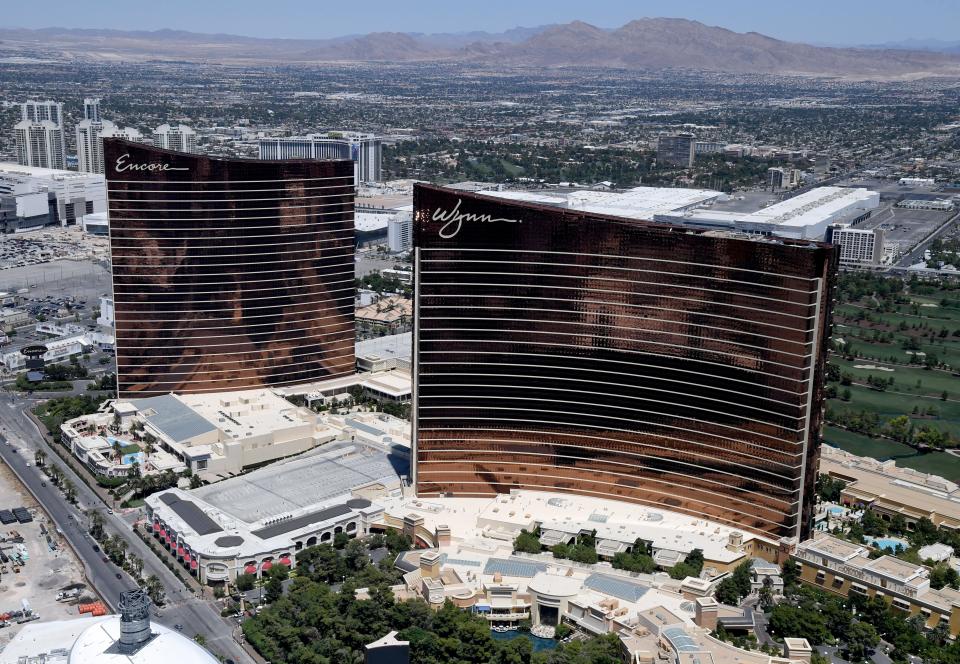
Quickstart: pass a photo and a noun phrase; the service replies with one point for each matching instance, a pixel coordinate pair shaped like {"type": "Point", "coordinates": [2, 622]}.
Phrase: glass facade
{"type": "Point", "coordinates": [561, 350]}
{"type": "Point", "coordinates": [229, 274]}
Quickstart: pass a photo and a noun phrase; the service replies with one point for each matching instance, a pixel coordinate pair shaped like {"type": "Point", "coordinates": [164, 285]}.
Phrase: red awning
{"type": "Point", "coordinates": [162, 532]}
{"type": "Point", "coordinates": [266, 566]}
{"type": "Point", "coordinates": [250, 569]}
{"type": "Point", "coordinates": [186, 557]}
{"type": "Point", "coordinates": [194, 565]}
{"type": "Point", "coordinates": [181, 551]}
{"type": "Point", "coordinates": [285, 561]}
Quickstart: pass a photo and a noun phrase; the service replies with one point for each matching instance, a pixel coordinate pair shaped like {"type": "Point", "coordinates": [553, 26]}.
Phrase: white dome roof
{"type": "Point", "coordinates": [95, 645]}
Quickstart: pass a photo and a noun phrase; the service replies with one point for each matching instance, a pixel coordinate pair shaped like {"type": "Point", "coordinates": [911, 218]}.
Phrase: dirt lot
{"type": "Point", "coordinates": [44, 573]}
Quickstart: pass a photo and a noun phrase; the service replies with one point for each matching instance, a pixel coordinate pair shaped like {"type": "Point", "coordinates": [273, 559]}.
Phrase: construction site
{"type": "Point", "coordinates": [40, 577]}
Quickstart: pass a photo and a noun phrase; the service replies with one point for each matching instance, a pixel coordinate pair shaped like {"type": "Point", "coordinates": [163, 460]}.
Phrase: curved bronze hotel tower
{"type": "Point", "coordinates": [229, 273]}
{"type": "Point", "coordinates": [566, 351]}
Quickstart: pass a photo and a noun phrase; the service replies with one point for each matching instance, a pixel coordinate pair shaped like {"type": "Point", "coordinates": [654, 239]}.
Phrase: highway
{"type": "Point", "coordinates": [19, 439]}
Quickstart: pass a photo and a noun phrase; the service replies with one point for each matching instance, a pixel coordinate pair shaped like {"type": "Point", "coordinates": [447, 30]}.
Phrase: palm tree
{"type": "Point", "coordinates": [96, 523]}
{"type": "Point", "coordinates": [69, 491]}
{"type": "Point", "coordinates": [136, 564]}
{"type": "Point", "coordinates": [39, 456]}
{"type": "Point", "coordinates": [117, 449]}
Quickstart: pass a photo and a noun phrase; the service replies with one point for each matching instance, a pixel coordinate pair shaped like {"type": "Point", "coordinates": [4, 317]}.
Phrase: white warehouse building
{"type": "Point", "coordinates": [803, 217]}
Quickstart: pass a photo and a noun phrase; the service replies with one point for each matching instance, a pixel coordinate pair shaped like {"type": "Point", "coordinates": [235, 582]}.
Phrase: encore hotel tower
{"type": "Point", "coordinates": [229, 274]}
{"type": "Point", "coordinates": [567, 351]}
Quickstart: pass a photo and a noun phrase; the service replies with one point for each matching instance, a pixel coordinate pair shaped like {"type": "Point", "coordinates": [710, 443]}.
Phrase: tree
{"type": "Point", "coordinates": [195, 482]}
{"type": "Point", "coordinates": [527, 542]}
{"type": "Point", "coordinates": [861, 640]}
{"type": "Point", "coordinates": [39, 457]}
{"type": "Point", "coordinates": [245, 582]}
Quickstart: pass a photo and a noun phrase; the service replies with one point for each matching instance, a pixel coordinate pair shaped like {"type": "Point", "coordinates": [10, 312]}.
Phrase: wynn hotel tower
{"type": "Point", "coordinates": [562, 350]}
{"type": "Point", "coordinates": [229, 273]}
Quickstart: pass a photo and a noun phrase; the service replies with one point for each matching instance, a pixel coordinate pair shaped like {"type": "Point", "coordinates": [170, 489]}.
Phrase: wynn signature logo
{"type": "Point", "coordinates": [122, 166]}
{"type": "Point", "coordinates": [453, 220]}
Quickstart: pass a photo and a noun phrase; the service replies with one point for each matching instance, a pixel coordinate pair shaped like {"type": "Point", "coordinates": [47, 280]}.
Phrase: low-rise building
{"type": "Point", "coordinates": [889, 490]}
{"type": "Point", "coordinates": [390, 315]}
{"type": "Point", "coordinates": [846, 568]}
{"type": "Point", "coordinates": [248, 524]}
{"type": "Point", "coordinates": [215, 435]}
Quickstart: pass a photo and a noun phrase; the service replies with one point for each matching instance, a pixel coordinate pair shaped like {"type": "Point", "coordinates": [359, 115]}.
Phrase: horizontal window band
{"type": "Point", "coordinates": [322, 286]}
{"type": "Point", "coordinates": [226, 274]}
{"type": "Point", "coordinates": [424, 339]}
{"type": "Point", "coordinates": [126, 190]}
{"type": "Point", "coordinates": [592, 326]}
{"type": "Point", "coordinates": [348, 319]}
{"type": "Point", "coordinates": [726, 367]}
{"type": "Point", "coordinates": [540, 275]}
{"type": "Point", "coordinates": [426, 286]}
{"type": "Point", "coordinates": [692, 312]}
{"type": "Point", "coordinates": [575, 315]}
{"type": "Point", "coordinates": [287, 179]}
{"type": "Point", "coordinates": [240, 198]}
{"type": "Point", "coordinates": [190, 387]}
{"type": "Point", "coordinates": [301, 259]}
{"type": "Point", "coordinates": [565, 371]}
{"type": "Point", "coordinates": [235, 210]}
{"type": "Point", "coordinates": [258, 371]}
{"type": "Point", "coordinates": [638, 464]}
{"type": "Point", "coordinates": [261, 357]}
{"type": "Point", "coordinates": [299, 340]}
{"type": "Point", "coordinates": [564, 379]}
{"type": "Point", "coordinates": [423, 425]}
{"type": "Point", "coordinates": [706, 486]}
{"type": "Point", "coordinates": [119, 220]}
{"type": "Point", "coordinates": [478, 436]}
{"type": "Point", "coordinates": [184, 334]}
{"type": "Point", "coordinates": [713, 266]}
{"type": "Point", "coordinates": [685, 275]}
{"type": "Point", "coordinates": [313, 242]}
{"type": "Point", "coordinates": [481, 402]}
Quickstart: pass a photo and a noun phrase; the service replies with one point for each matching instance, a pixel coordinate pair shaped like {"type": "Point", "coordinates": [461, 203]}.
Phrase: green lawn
{"type": "Point", "coordinates": [938, 463]}
{"type": "Point", "coordinates": [878, 448]}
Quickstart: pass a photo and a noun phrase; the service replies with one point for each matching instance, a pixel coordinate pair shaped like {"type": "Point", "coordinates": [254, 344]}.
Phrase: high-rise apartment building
{"type": "Point", "coordinates": [90, 135]}
{"type": "Point", "coordinates": [677, 149]}
{"type": "Point", "coordinates": [39, 144]}
{"type": "Point", "coordinates": [176, 137]}
{"type": "Point", "coordinates": [91, 109]}
{"type": "Point", "coordinates": [229, 274]}
{"type": "Point", "coordinates": [366, 150]}
{"type": "Point", "coordinates": [40, 111]}
{"type": "Point", "coordinates": [859, 247]}
{"type": "Point", "coordinates": [90, 146]}
{"type": "Point", "coordinates": [400, 232]}
{"type": "Point", "coordinates": [569, 351]}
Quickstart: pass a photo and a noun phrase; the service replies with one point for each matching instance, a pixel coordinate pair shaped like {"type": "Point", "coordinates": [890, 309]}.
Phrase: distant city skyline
{"type": "Point", "coordinates": [852, 22]}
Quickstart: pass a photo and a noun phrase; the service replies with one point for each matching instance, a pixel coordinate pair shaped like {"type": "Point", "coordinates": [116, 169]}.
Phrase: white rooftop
{"type": "Point", "coordinates": [248, 412]}
{"type": "Point", "coordinates": [46, 173]}
{"type": "Point", "coordinates": [636, 203]}
{"type": "Point", "coordinates": [505, 515]}
{"type": "Point", "coordinates": [89, 641]}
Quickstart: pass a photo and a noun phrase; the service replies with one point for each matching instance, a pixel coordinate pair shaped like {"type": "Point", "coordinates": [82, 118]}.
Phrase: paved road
{"type": "Point", "coordinates": [916, 254]}
{"type": "Point", "coordinates": [197, 616]}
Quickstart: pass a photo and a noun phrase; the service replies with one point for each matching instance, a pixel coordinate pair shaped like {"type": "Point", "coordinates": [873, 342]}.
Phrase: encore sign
{"type": "Point", "coordinates": [122, 166]}
{"type": "Point", "coordinates": [453, 220]}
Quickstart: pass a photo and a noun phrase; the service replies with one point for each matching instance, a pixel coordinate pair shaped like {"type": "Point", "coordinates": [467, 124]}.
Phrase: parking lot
{"type": "Point", "coordinates": [80, 279]}
{"type": "Point", "coordinates": [44, 573]}
{"type": "Point", "coordinates": [905, 227]}
{"type": "Point", "coordinates": [49, 244]}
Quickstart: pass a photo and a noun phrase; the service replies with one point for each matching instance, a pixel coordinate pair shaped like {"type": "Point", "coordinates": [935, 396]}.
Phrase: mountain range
{"type": "Point", "coordinates": [644, 44]}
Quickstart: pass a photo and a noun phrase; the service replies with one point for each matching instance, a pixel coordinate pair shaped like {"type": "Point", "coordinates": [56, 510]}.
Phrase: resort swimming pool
{"type": "Point", "coordinates": [883, 543]}
{"type": "Point", "coordinates": [538, 643]}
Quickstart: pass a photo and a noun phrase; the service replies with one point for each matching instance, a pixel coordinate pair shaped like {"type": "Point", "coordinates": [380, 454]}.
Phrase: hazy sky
{"type": "Point", "coordinates": [814, 21]}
